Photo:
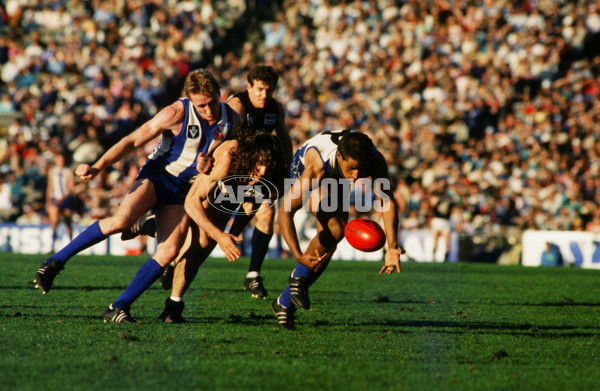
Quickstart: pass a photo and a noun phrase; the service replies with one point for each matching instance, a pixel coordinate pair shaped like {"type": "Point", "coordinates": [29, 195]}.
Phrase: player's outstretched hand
{"type": "Point", "coordinates": [204, 163]}
{"type": "Point", "coordinates": [392, 261]}
{"type": "Point", "coordinates": [86, 172]}
{"type": "Point", "coordinates": [311, 260]}
{"type": "Point", "coordinates": [227, 242]}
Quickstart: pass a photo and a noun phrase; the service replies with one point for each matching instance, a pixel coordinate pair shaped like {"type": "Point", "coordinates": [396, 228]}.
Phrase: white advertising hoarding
{"type": "Point", "coordinates": [37, 239]}
{"type": "Point", "coordinates": [581, 249]}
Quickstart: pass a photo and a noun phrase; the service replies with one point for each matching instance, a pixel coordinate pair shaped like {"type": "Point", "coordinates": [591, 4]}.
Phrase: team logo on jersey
{"type": "Point", "coordinates": [270, 119]}
{"type": "Point", "coordinates": [234, 190]}
{"type": "Point", "coordinates": [219, 134]}
{"type": "Point", "coordinates": [193, 131]}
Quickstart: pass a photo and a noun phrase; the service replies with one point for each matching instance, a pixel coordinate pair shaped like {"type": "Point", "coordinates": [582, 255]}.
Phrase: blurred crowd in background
{"type": "Point", "coordinates": [487, 111]}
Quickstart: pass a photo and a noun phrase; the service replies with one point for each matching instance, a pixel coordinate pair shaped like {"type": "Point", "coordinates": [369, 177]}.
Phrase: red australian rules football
{"type": "Point", "coordinates": [364, 235]}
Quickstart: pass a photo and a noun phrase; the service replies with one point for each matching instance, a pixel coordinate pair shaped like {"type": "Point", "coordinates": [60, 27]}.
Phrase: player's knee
{"type": "Point", "coordinates": [337, 229]}
{"type": "Point", "coordinates": [165, 253]}
{"type": "Point", "coordinates": [264, 220]}
{"type": "Point", "coordinates": [265, 226]}
{"type": "Point", "coordinates": [114, 224]}
{"type": "Point", "coordinates": [329, 239]}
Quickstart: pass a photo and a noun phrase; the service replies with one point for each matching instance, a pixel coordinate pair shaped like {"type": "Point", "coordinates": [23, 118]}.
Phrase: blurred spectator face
{"type": "Point", "coordinates": [59, 160]}
{"type": "Point", "coordinates": [208, 106]}
{"type": "Point", "coordinates": [260, 93]}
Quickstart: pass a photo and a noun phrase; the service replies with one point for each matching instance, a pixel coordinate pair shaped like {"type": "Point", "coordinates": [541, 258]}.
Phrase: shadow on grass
{"type": "Point", "coordinates": [307, 321]}
{"type": "Point", "coordinates": [458, 327]}
{"type": "Point", "coordinates": [90, 288]}
{"type": "Point", "coordinates": [31, 286]}
{"type": "Point", "coordinates": [155, 321]}
{"type": "Point", "coordinates": [565, 303]}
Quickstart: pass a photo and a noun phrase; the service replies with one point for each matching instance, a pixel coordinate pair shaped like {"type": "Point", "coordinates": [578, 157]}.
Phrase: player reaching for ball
{"type": "Point", "coordinates": [323, 169]}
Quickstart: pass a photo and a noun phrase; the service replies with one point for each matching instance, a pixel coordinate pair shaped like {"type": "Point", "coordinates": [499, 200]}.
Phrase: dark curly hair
{"type": "Point", "coordinates": [258, 148]}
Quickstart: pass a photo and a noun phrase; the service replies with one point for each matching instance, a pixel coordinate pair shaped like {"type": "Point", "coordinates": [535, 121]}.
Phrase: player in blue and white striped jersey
{"type": "Point", "coordinates": [59, 195]}
{"type": "Point", "coordinates": [190, 129]}
{"type": "Point", "coordinates": [322, 171]}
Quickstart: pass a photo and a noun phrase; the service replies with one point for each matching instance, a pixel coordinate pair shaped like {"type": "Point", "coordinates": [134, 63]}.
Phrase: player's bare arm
{"type": "Point", "coordinates": [168, 119]}
{"type": "Point", "coordinates": [70, 183]}
{"type": "Point", "coordinates": [238, 121]}
{"type": "Point", "coordinates": [283, 133]}
{"type": "Point", "coordinates": [292, 202]}
{"type": "Point", "coordinates": [237, 105]}
{"type": "Point", "coordinates": [195, 206]}
{"type": "Point", "coordinates": [390, 215]}
{"type": "Point", "coordinates": [238, 115]}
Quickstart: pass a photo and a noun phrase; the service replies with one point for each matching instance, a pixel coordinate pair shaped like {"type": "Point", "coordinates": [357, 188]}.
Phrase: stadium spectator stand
{"type": "Point", "coordinates": [497, 98]}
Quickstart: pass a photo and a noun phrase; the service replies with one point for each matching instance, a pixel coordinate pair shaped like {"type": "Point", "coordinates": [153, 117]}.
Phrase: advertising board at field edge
{"type": "Point", "coordinates": [37, 239]}
{"type": "Point", "coordinates": [576, 248]}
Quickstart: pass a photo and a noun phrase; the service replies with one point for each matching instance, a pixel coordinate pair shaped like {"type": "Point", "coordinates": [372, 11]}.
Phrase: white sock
{"type": "Point", "coordinates": [252, 274]}
{"type": "Point", "coordinates": [175, 299]}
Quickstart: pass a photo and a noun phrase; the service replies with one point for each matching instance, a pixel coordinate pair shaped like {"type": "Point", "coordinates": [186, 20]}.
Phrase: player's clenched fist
{"type": "Point", "coordinates": [204, 163]}
{"type": "Point", "coordinates": [85, 172]}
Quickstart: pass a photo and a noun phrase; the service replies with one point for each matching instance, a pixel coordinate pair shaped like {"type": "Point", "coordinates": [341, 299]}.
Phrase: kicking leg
{"type": "Point", "coordinates": [139, 199]}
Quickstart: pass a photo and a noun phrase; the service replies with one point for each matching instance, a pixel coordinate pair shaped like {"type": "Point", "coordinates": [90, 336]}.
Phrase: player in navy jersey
{"type": "Point", "coordinates": [249, 163]}
{"type": "Point", "coordinates": [262, 113]}
{"type": "Point", "coordinates": [323, 169]}
{"type": "Point", "coordinates": [189, 129]}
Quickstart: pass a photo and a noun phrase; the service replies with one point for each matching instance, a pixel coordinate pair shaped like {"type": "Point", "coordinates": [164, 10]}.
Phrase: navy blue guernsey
{"type": "Point", "coordinates": [259, 120]}
{"type": "Point", "coordinates": [178, 154]}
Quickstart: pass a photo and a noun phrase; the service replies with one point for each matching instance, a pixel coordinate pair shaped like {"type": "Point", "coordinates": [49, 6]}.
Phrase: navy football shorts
{"type": "Point", "coordinates": [169, 189]}
{"type": "Point", "coordinates": [67, 204]}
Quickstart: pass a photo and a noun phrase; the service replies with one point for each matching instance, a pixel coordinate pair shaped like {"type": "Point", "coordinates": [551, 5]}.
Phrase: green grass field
{"type": "Point", "coordinates": [433, 327]}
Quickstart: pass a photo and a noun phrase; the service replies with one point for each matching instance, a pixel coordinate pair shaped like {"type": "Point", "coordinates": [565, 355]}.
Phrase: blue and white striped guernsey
{"type": "Point", "coordinates": [60, 182]}
{"type": "Point", "coordinates": [179, 153]}
{"type": "Point", "coordinates": [326, 144]}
